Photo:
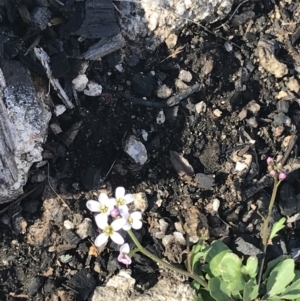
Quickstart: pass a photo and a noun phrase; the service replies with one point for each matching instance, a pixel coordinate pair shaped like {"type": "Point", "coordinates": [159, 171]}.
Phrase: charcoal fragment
{"type": "Point", "coordinates": [40, 17]}
{"type": "Point", "coordinates": [288, 203]}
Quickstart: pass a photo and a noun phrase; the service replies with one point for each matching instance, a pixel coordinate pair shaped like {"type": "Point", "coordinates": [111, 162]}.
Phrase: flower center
{"type": "Point", "coordinates": [130, 220]}
{"type": "Point", "coordinates": [109, 230]}
{"type": "Point", "coordinates": [120, 202]}
{"type": "Point", "coordinates": [103, 209]}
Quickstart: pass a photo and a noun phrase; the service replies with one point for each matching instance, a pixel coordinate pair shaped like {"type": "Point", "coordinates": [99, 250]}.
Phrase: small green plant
{"type": "Point", "coordinates": [229, 278]}
{"type": "Point", "coordinates": [217, 273]}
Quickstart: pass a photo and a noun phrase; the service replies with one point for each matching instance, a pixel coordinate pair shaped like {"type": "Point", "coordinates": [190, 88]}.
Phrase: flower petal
{"type": "Point", "coordinates": [101, 240]}
{"type": "Point", "coordinates": [117, 238]}
{"type": "Point", "coordinates": [124, 210]}
{"type": "Point", "coordinates": [137, 224]}
{"type": "Point", "coordinates": [103, 198]}
{"type": "Point", "coordinates": [120, 192]}
{"type": "Point", "coordinates": [129, 198]}
{"type": "Point", "coordinates": [101, 220]}
{"type": "Point", "coordinates": [125, 259]}
{"type": "Point", "coordinates": [125, 248]}
{"type": "Point", "coordinates": [136, 215]}
{"type": "Point", "coordinates": [93, 206]}
{"type": "Point", "coordinates": [117, 224]}
{"type": "Point", "coordinates": [126, 227]}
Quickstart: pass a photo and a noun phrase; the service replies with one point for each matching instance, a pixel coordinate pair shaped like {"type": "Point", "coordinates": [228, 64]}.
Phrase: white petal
{"type": "Point", "coordinates": [101, 240]}
{"type": "Point", "coordinates": [136, 215]}
{"type": "Point", "coordinates": [103, 198]}
{"type": "Point", "coordinates": [101, 220]}
{"type": "Point", "coordinates": [117, 238]}
{"type": "Point", "coordinates": [120, 192]}
{"type": "Point", "coordinates": [124, 212]}
{"type": "Point", "coordinates": [117, 224]}
{"type": "Point", "coordinates": [125, 248]}
{"type": "Point", "coordinates": [137, 224]}
{"type": "Point", "coordinates": [129, 198]}
{"type": "Point", "coordinates": [126, 227]}
{"type": "Point", "coordinates": [93, 206]}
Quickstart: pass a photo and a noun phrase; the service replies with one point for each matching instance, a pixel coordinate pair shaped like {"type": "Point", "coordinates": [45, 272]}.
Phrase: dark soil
{"type": "Point", "coordinates": [249, 114]}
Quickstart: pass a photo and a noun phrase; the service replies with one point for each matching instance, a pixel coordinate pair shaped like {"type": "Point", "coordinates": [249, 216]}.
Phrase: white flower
{"type": "Point", "coordinates": [104, 205]}
{"type": "Point", "coordinates": [133, 220]}
{"type": "Point", "coordinates": [109, 230]}
{"type": "Point", "coordinates": [124, 254]}
{"type": "Point", "coordinates": [123, 199]}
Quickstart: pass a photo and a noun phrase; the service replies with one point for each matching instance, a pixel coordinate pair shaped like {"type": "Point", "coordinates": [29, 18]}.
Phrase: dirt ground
{"type": "Point", "coordinates": [247, 108]}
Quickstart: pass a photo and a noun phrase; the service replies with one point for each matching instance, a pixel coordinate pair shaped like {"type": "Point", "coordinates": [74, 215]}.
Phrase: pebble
{"type": "Point", "coordinates": [59, 109]}
{"type": "Point", "coordinates": [215, 205]}
{"type": "Point", "coordinates": [144, 135]}
{"type": "Point", "coordinates": [68, 225]}
{"type": "Point", "coordinates": [252, 122]}
{"type": "Point", "coordinates": [84, 228]}
{"type": "Point", "coordinates": [217, 113]}
{"type": "Point", "coordinates": [120, 68]}
{"type": "Point", "coordinates": [136, 150]}
{"type": "Point", "coordinates": [164, 92]}
{"type": "Point", "coordinates": [80, 82]}
{"type": "Point", "coordinates": [179, 238]}
{"type": "Point", "coordinates": [93, 89]}
{"type": "Point", "coordinates": [253, 107]}
{"type": "Point", "coordinates": [185, 76]}
{"type": "Point", "coordinates": [171, 40]}
{"type": "Point", "coordinates": [283, 106]}
{"type": "Point", "coordinates": [140, 201]}
{"type": "Point", "coordinates": [200, 107]}
{"type": "Point", "coordinates": [180, 85]}
{"type": "Point", "coordinates": [293, 85]}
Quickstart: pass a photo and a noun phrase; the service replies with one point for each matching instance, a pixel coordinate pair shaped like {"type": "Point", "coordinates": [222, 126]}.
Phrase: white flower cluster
{"type": "Point", "coordinates": [115, 209]}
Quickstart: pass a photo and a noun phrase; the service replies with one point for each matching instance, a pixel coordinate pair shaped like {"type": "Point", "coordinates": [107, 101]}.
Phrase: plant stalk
{"type": "Point", "coordinates": [265, 231]}
{"type": "Point", "coordinates": [163, 263]}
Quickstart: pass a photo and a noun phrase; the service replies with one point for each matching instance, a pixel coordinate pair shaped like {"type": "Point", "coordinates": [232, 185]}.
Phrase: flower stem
{"type": "Point", "coordinates": [265, 230]}
{"type": "Point", "coordinates": [163, 263]}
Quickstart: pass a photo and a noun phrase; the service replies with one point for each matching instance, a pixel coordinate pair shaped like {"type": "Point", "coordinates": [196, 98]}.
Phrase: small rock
{"type": "Point", "coordinates": [59, 109]}
{"type": "Point", "coordinates": [80, 82]}
{"type": "Point", "coordinates": [215, 205]}
{"type": "Point", "coordinates": [180, 85]}
{"type": "Point", "coordinates": [204, 181]}
{"type": "Point", "coordinates": [164, 92]}
{"type": "Point", "coordinates": [217, 112]}
{"type": "Point", "coordinates": [243, 114]}
{"type": "Point", "coordinates": [239, 166]}
{"type": "Point", "coordinates": [179, 238]}
{"type": "Point", "coordinates": [84, 228]}
{"type": "Point", "coordinates": [56, 129]}
{"type": "Point", "coordinates": [136, 150]}
{"type": "Point", "coordinates": [171, 40]}
{"type": "Point", "coordinates": [65, 258]}
{"type": "Point", "coordinates": [33, 284]}
{"type": "Point", "coordinates": [179, 228]}
{"type": "Point", "coordinates": [282, 94]}
{"type": "Point", "coordinates": [167, 239]}
{"type": "Point", "coordinates": [161, 118]}
{"type": "Point", "coordinates": [278, 130]}
{"type": "Point", "coordinates": [283, 106]}
{"type": "Point", "coordinates": [93, 89]}
{"type": "Point", "coordinates": [293, 85]}
{"type": "Point", "coordinates": [185, 76]}
{"type": "Point", "coordinates": [200, 107]}
{"type": "Point", "coordinates": [252, 122]}
{"type": "Point", "coordinates": [280, 119]}
{"type": "Point", "coordinates": [120, 68]}
{"type": "Point", "coordinates": [228, 46]}
{"type": "Point", "coordinates": [140, 201]}
{"type": "Point", "coordinates": [253, 107]}
{"type": "Point", "coordinates": [144, 135]}
{"type": "Point", "coordinates": [68, 225]}
{"type": "Point", "coordinates": [122, 281]}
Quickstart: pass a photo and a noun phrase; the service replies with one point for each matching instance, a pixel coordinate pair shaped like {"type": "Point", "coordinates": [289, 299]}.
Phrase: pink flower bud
{"type": "Point", "coordinates": [273, 173]}
{"type": "Point", "coordinates": [115, 212]}
{"type": "Point", "coordinates": [270, 161]}
{"type": "Point", "coordinates": [282, 176]}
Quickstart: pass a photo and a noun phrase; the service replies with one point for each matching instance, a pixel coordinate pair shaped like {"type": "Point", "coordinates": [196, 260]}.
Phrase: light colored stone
{"type": "Point", "coordinates": [93, 89]}
{"type": "Point", "coordinates": [164, 92]}
{"type": "Point", "coordinates": [161, 118]}
{"type": "Point", "coordinates": [293, 85]}
{"type": "Point", "coordinates": [185, 76]}
{"type": "Point", "coordinates": [136, 150]}
{"type": "Point", "coordinates": [80, 82]}
{"type": "Point", "coordinates": [83, 228]}
{"type": "Point", "coordinates": [217, 112]}
{"type": "Point", "coordinates": [200, 107]}
{"type": "Point", "coordinates": [140, 201]}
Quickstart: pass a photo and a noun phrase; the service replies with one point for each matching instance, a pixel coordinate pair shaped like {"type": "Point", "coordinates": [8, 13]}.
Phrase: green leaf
{"type": "Point", "coordinates": [292, 292]}
{"type": "Point", "coordinates": [206, 295]}
{"type": "Point", "coordinates": [276, 228]}
{"type": "Point", "coordinates": [198, 298]}
{"type": "Point", "coordinates": [217, 289]}
{"type": "Point", "coordinates": [214, 256]}
{"type": "Point", "coordinates": [271, 264]}
{"type": "Point", "coordinates": [250, 290]}
{"type": "Point", "coordinates": [251, 267]}
{"type": "Point", "coordinates": [230, 267]}
{"type": "Point", "coordinates": [280, 277]}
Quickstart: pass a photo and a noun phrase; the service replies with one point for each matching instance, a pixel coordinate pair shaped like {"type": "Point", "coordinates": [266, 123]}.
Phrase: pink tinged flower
{"type": "Point", "coordinates": [133, 220]}
{"type": "Point", "coordinates": [282, 176]}
{"type": "Point", "coordinates": [124, 254]}
{"type": "Point", "coordinates": [270, 161]}
{"type": "Point", "coordinates": [123, 199]}
{"type": "Point", "coordinates": [104, 205]}
{"type": "Point", "coordinates": [273, 173]}
{"type": "Point", "coordinates": [109, 230]}
{"type": "Point", "coordinates": [115, 212]}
